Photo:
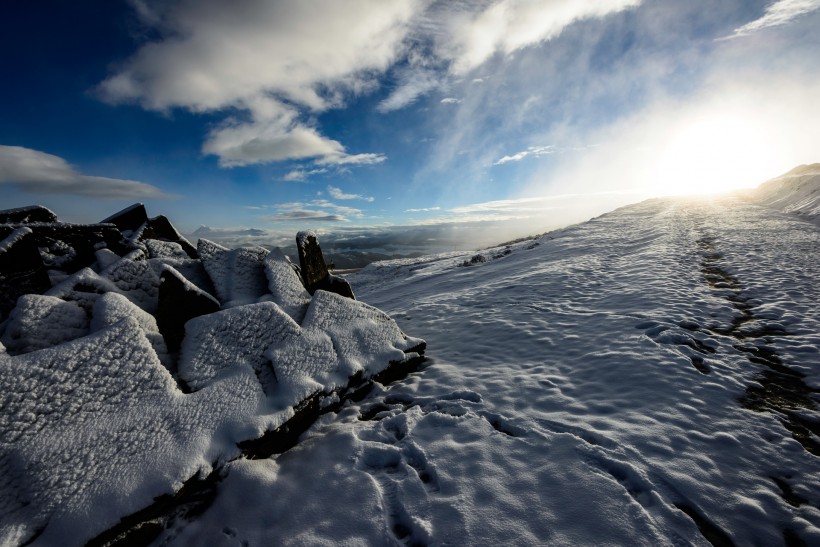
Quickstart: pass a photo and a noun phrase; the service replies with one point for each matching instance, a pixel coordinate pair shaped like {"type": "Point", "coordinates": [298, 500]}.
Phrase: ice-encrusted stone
{"type": "Point", "coordinates": [365, 337]}
{"type": "Point", "coordinates": [105, 258]}
{"type": "Point", "coordinates": [111, 308]}
{"type": "Point", "coordinates": [179, 301]}
{"type": "Point", "coordinates": [27, 215]}
{"type": "Point", "coordinates": [238, 275]}
{"type": "Point", "coordinates": [134, 277]}
{"type": "Point", "coordinates": [285, 286]}
{"type": "Point", "coordinates": [164, 249]}
{"type": "Point", "coordinates": [83, 287]}
{"type": "Point", "coordinates": [190, 269]}
{"type": "Point", "coordinates": [237, 337]}
{"type": "Point", "coordinates": [96, 428]}
{"type": "Point", "coordinates": [39, 322]}
{"type": "Point", "coordinates": [305, 364]}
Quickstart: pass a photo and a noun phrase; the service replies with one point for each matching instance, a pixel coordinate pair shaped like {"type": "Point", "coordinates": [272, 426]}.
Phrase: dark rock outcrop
{"type": "Point", "coordinates": [27, 215]}
{"type": "Point", "coordinates": [130, 218]}
{"type": "Point", "coordinates": [313, 269]}
{"type": "Point", "coordinates": [161, 228]}
{"type": "Point", "coordinates": [71, 247]}
{"type": "Point", "coordinates": [179, 301]}
{"type": "Point", "coordinates": [21, 269]}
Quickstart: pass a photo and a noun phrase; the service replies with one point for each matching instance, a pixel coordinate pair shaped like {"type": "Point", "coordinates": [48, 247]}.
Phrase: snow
{"type": "Point", "coordinates": [238, 337]}
{"type": "Point", "coordinates": [238, 274]}
{"type": "Point", "coordinates": [14, 237]}
{"type": "Point", "coordinates": [648, 377]}
{"type": "Point", "coordinates": [592, 389]}
{"type": "Point", "coordinates": [164, 249]}
{"type": "Point", "coordinates": [798, 191]}
{"type": "Point", "coordinates": [285, 286]}
{"type": "Point", "coordinates": [111, 308]}
{"type": "Point", "coordinates": [39, 322]}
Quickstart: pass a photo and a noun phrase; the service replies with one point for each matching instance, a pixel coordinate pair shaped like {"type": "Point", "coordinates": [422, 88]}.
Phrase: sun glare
{"type": "Point", "coordinates": [711, 155]}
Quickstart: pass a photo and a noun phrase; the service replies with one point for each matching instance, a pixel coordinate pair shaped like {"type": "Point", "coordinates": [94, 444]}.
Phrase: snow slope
{"type": "Point", "coordinates": [797, 191]}
{"type": "Point", "coordinates": [648, 377]}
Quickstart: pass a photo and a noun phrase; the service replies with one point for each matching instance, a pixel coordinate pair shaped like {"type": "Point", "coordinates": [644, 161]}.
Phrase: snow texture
{"type": "Point", "coordinates": [217, 343]}
{"type": "Point", "coordinates": [135, 277]}
{"type": "Point", "coordinates": [285, 286]}
{"type": "Point", "coordinates": [14, 237]}
{"type": "Point", "coordinates": [111, 308]}
{"type": "Point", "coordinates": [618, 382]}
{"type": "Point", "coordinates": [39, 322]}
{"type": "Point", "coordinates": [96, 428]}
{"type": "Point", "coordinates": [105, 258]}
{"type": "Point", "coordinates": [164, 249]}
{"type": "Point", "coordinates": [238, 274]}
{"type": "Point", "coordinates": [798, 191]}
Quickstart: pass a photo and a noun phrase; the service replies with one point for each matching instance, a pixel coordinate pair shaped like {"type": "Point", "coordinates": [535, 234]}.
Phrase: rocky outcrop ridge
{"type": "Point", "coordinates": [133, 363]}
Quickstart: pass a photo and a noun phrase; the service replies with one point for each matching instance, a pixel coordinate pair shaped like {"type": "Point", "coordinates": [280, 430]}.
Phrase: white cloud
{"type": "Point", "coordinates": [422, 210]}
{"type": "Point", "coordinates": [275, 64]}
{"type": "Point", "coordinates": [41, 173]}
{"type": "Point", "coordinates": [535, 151]}
{"type": "Point", "coordinates": [450, 100]}
{"type": "Point", "coordinates": [337, 193]}
{"type": "Point", "coordinates": [413, 85]}
{"type": "Point", "coordinates": [298, 175]}
{"type": "Point", "coordinates": [258, 56]}
{"type": "Point", "coordinates": [505, 26]}
{"type": "Point", "coordinates": [779, 13]}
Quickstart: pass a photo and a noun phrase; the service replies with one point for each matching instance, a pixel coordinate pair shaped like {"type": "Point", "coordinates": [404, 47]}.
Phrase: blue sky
{"type": "Point", "coordinates": [438, 124]}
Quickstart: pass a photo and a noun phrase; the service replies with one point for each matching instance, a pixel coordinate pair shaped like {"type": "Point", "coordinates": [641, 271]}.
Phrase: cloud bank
{"type": "Point", "coordinates": [270, 67]}
{"type": "Point", "coordinates": [41, 173]}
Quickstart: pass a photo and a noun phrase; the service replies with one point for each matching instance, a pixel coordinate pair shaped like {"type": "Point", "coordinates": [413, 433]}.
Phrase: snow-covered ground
{"type": "Point", "coordinates": [648, 377]}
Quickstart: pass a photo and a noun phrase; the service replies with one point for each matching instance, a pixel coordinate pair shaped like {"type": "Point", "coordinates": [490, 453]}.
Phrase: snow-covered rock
{"type": "Point", "coordinates": [238, 275]}
{"type": "Point", "coordinates": [286, 289]}
{"type": "Point", "coordinates": [111, 308]}
{"type": "Point", "coordinates": [40, 321]}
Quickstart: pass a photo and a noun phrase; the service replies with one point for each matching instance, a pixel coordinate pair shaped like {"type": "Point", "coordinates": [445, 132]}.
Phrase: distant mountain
{"type": "Point", "coordinates": [797, 191]}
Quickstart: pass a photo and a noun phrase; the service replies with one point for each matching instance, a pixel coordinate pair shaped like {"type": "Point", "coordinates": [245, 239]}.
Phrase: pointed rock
{"type": "Point", "coordinates": [21, 269]}
{"type": "Point", "coordinates": [315, 274]}
{"type": "Point", "coordinates": [130, 218]}
{"type": "Point", "coordinates": [179, 301]}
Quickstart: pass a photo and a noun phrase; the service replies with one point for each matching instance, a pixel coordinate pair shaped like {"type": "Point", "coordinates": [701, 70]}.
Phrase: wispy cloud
{"type": "Point", "coordinates": [41, 173]}
{"type": "Point", "coordinates": [337, 193]}
{"type": "Point", "coordinates": [299, 175]}
{"type": "Point", "coordinates": [534, 151]}
{"type": "Point", "coordinates": [422, 210]}
{"type": "Point", "coordinates": [450, 100]}
{"type": "Point", "coordinates": [779, 13]}
{"type": "Point", "coordinates": [303, 215]}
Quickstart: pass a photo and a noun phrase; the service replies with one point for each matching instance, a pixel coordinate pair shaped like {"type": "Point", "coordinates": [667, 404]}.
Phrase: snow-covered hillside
{"type": "Point", "coordinates": [797, 191]}
{"type": "Point", "coordinates": [649, 377]}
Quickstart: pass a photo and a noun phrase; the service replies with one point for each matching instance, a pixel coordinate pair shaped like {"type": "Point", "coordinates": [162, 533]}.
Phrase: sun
{"type": "Point", "coordinates": [715, 154]}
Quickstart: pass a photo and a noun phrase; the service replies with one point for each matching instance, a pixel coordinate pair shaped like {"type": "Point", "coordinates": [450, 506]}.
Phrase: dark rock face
{"type": "Point", "coordinates": [27, 215]}
{"type": "Point", "coordinates": [130, 218]}
{"type": "Point", "coordinates": [71, 247]}
{"type": "Point", "coordinates": [313, 269]}
{"type": "Point", "coordinates": [21, 269]}
{"type": "Point", "coordinates": [161, 228]}
{"type": "Point", "coordinates": [179, 301]}
{"type": "Point", "coordinates": [335, 284]}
